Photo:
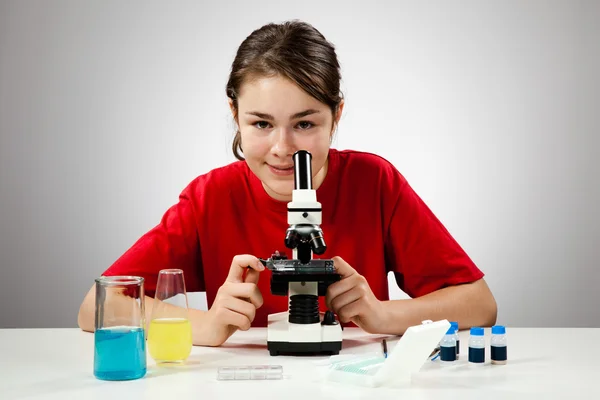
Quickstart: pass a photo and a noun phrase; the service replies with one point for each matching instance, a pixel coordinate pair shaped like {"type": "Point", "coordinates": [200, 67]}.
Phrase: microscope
{"type": "Point", "coordinates": [303, 330]}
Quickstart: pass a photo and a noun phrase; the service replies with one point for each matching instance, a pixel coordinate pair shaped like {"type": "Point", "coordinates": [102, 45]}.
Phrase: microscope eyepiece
{"type": "Point", "coordinates": [302, 170]}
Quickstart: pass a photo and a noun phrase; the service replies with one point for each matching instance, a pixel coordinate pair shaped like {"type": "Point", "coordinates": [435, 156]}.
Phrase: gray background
{"type": "Point", "coordinates": [490, 109]}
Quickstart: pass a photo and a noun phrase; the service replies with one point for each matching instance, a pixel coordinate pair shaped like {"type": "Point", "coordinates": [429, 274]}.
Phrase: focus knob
{"type": "Point", "coordinates": [329, 318]}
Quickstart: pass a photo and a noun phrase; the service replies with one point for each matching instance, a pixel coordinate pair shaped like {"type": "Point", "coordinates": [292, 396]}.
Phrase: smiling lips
{"type": "Point", "coordinates": [282, 170]}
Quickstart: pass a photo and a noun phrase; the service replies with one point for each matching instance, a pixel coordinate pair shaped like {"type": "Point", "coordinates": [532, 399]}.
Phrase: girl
{"type": "Point", "coordinates": [284, 94]}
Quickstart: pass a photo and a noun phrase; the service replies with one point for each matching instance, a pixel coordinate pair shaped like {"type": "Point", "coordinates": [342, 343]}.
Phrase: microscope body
{"type": "Point", "coordinates": [303, 329]}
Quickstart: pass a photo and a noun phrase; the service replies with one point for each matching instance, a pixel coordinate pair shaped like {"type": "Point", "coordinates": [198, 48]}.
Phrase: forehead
{"type": "Point", "coordinates": [277, 96]}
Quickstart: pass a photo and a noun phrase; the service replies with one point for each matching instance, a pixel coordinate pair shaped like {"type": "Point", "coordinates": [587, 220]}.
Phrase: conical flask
{"type": "Point", "coordinates": [170, 331]}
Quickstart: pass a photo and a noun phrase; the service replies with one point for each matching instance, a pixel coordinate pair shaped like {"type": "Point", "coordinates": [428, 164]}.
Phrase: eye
{"type": "Point", "coordinates": [304, 125]}
{"type": "Point", "coordinates": [261, 124]}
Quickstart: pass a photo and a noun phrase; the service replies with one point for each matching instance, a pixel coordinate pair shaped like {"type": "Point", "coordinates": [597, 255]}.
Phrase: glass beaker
{"type": "Point", "coordinates": [170, 331]}
{"type": "Point", "coordinates": [119, 336]}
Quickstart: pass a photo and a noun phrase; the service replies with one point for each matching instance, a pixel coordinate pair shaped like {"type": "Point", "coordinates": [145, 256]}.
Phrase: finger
{"type": "Point", "coordinates": [239, 265]}
{"type": "Point", "coordinates": [345, 298]}
{"type": "Point", "coordinates": [342, 267]}
{"type": "Point", "coordinates": [350, 311]}
{"type": "Point", "coordinates": [252, 276]}
{"type": "Point", "coordinates": [228, 317]}
{"type": "Point", "coordinates": [248, 291]}
{"type": "Point", "coordinates": [339, 287]}
{"type": "Point", "coordinates": [241, 307]}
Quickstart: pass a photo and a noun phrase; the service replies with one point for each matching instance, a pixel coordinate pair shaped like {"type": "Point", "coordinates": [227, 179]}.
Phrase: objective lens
{"type": "Point", "coordinates": [291, 239]}
{"type": "Point", "coordinates": [317, 242]}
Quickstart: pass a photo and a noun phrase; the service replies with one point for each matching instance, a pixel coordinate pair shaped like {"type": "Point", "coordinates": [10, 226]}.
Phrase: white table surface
{"type": "Point", "coordinates": [57, 364]}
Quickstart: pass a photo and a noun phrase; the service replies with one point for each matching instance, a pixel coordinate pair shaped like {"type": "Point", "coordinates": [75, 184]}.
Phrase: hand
{"type": "Point", "coordinates": [237, 299]}
{"type": "Point", "coordinates": [352, 300]}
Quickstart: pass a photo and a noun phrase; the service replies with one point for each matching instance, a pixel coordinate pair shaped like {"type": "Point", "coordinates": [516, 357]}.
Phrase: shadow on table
{"type": "Point", "coordinates": [463, 365]}
{"type": "Point", "coordinates": [366, 340]}
{"type": "Point", "coordinates": [456, 381]}
{"type": "Point", "coordinates": [87, 381]}
{"type": "Point", "coordinates": [193, 363]}
{"type": "Point", "coordinates": [249, 346]}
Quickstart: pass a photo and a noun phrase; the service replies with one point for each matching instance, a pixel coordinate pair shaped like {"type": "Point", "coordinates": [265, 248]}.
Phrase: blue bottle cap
{"type": "Point", "coordinates": [477, 331]}
{"type": "Point", "coordinates": [498, 330]}
{"type": "Point", "coordinates": [451, 330]}
{"type": "Point", "coordinates": [454, 324]}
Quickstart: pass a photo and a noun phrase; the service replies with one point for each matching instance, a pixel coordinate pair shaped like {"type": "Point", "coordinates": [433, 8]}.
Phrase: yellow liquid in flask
{"type": "Point", "coordinates": [170, 339]}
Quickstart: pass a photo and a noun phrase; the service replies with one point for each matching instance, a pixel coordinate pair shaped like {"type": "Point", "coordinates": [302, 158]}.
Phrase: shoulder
{"type": "Point", "coordinates": [218, 179]}
{"type": "Point", "coordinates": [367, 165]}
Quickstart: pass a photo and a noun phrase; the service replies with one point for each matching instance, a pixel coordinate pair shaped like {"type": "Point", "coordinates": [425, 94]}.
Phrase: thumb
{"type": "Point", "coordinates": [342, 267]}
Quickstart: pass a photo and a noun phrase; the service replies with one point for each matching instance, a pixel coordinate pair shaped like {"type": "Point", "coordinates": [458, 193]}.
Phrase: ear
{"type": "Point", "coordinates": [336, 120]}
{"type": "Point", "coordinates": [232, 108]}
{"type": "Point", "coordinates": [339, 112]}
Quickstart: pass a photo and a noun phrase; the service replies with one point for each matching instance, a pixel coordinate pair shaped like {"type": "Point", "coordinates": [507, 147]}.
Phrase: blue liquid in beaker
{"type": "Point", "coordinates": [119, 353]}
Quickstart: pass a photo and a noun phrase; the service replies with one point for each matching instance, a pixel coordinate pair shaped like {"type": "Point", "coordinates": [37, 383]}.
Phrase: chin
{"type": "Point", "coordinates": [282, 188]}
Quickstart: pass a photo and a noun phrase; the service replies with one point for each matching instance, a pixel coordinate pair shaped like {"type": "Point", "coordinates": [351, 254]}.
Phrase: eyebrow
{"type": "Point", "coordinates": [295, 116]}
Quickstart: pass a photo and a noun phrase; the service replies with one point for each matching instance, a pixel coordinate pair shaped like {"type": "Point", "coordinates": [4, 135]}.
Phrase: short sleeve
{"type": "Point", "coordinates": [420, 251]}
{"type": "Point", "coordinates": [173, 243]}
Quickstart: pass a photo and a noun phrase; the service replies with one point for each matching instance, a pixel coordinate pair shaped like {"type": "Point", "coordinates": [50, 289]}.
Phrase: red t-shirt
{"type": "Point", "coordinates": [371, 217]}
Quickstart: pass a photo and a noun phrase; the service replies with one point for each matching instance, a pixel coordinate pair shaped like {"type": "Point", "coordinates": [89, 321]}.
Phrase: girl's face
{"type": "Point", "coordinates": [276, 118]}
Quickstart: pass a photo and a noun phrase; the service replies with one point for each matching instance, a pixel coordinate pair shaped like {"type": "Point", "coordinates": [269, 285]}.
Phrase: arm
{"type": "Point", "coordinates": [234, 306]}
{"type": "Point", "coordinates": [470, 304]}
{"type": "Point", "coordinates": [201, 334]}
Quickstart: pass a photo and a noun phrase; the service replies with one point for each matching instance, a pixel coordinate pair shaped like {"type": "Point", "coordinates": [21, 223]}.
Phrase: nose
{"type": "Point", "coordinates": [283, 143]}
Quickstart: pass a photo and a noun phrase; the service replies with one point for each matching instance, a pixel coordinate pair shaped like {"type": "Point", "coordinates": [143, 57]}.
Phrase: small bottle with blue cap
{"type": "Point", "coordinates": [448, 346]}
{"type": "Point", "coordinates": [498, 344]}
{"type": "Point", "coordinates": [455, 326]}
{"type": "Point", "coordinates": [476, 346]}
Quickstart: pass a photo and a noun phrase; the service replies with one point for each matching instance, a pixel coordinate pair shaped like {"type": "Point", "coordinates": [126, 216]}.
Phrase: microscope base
{"type": "Point", "coordinates": [306, 349]}
{"type": "Point", "coordinates": [285, 338]}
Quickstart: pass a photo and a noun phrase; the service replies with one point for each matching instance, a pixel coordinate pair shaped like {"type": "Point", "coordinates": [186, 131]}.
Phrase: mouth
{"type": "Point", "coordinates": [281, 170]}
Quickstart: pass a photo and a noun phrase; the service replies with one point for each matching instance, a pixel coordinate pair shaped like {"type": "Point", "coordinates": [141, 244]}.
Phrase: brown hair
{"type": "Point", "coordinates": [294, 50]}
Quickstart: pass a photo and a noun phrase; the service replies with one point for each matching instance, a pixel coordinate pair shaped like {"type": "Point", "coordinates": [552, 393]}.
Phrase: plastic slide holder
{"type": "Point", "coordinates": [250, 372]}
{"type": "Point", "coordinates": [406, 358]}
